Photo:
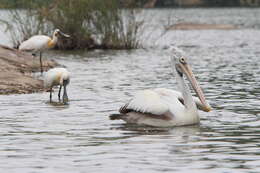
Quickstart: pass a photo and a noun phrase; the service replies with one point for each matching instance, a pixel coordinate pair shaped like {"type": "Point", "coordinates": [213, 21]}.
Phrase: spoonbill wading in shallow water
{"type": "Point", "coordinates": [57, 77]}
{"type": "Point", "coordinates": [164, 107]}
{"type": "Point", "coordinates": [39, 43]}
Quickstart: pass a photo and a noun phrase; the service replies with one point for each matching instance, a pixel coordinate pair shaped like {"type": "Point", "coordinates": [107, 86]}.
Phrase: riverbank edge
{"type": "Point", "coordinates": [16, 71]}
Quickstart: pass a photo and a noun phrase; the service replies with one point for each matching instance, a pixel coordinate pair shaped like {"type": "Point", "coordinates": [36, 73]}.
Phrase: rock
{"type": "Point", "coordinates": [16, 70]}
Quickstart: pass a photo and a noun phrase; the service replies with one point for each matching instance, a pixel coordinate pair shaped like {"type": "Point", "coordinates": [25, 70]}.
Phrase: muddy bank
{"type": "Point", "coordinates": [197, 26]}
{"type": "Point", "coordinates": [16, 70]}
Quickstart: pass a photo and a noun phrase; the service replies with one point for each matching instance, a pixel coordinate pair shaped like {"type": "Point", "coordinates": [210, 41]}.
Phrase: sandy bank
{"type": "Point", "coordinates": [16, 70]}
{"type": "Point", "coordinates": [197, 26]}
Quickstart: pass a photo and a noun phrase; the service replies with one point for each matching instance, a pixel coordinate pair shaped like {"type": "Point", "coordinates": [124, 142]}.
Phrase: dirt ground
{"type": "Point", "coordinates": [16, 69]}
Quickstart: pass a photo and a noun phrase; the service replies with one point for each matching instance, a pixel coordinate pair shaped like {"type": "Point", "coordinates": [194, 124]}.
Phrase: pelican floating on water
{"type": "Point", "coordinates": [39, 43]}
{"type": "Point", "coordinates": [57, 77]}
{"type": "Point", "coordinates": [164, 107]}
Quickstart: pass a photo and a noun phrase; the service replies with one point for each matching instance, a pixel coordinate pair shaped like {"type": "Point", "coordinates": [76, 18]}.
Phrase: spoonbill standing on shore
{"type": "Point", "coordinates": [165, 107]}
{"type": "Point", "coordinates": [39, 43]}
{"type": "Point", "coordinates": [57, 77]}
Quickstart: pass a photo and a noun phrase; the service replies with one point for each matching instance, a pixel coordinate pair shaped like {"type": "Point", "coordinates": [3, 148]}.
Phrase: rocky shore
{"type": "Point", "coordinates": [16, 71]}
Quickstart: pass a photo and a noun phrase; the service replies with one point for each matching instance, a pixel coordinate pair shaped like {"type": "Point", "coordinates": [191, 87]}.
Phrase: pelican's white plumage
{"type": "Point", "coordinates": [160, 104]}
{"type": "Point", "coordinates": [148, 101]}
{"type": "Point", "coordinates": [57, 77]}
{"type": "Point", "coordinates": [164, 107]}
{"type": "Point", "coordinates": [168, 93]}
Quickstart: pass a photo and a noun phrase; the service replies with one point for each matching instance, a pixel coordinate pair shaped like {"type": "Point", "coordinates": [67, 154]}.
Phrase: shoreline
{"type": "Point", "coordinates": [201, 26]}
{"type": "Point", "coordinates": [16, 71]}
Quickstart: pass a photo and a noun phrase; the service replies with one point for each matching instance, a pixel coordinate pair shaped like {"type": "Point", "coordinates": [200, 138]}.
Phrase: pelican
{"type": "Point", "coordinates": [57, 77]}
{"type": "Point", "coordinates": [39, 43]}
{"type": "Point", "coordinates": [162, 107]}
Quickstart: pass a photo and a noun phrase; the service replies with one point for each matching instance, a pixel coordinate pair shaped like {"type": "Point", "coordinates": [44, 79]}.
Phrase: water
{"type": "Point", "coordinates": [36, 136]}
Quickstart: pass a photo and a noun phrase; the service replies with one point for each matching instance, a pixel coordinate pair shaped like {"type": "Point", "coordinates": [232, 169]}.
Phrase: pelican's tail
{"type": "Point", "coordinates": [116, 116]}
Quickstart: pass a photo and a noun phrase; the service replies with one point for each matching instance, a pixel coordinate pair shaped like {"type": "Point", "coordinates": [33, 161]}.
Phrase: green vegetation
{"type": "Point", "coordinates": [91, 23]}
{"type": "Point", "coordinates": [22, 3]}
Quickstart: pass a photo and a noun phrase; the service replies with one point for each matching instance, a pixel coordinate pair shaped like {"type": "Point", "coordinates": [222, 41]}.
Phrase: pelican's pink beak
{"type": "Point", "coordinates": [188, 72]}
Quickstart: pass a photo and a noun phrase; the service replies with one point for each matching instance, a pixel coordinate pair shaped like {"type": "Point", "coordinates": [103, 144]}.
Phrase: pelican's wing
{"type": "Point", "coordinates": [146, 101]}
{"type": "Point", "coordinates": [168, 92]}
{"type": "Point", "coordinates": [173, 93]}
{"type": "Point", "coordinates": [36, 42]}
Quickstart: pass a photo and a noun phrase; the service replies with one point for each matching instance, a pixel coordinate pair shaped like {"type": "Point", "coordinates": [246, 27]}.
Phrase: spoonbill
{"type": "Point", "coordinates": [57, 77]}
{"type": "Point", "coordinates": [162, 107]}
{"type": "Point", "coordinates": [39, 43]}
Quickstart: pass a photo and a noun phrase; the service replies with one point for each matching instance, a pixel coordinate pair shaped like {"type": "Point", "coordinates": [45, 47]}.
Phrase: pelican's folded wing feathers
{"type": "Point", "coordinates": [146, 101]}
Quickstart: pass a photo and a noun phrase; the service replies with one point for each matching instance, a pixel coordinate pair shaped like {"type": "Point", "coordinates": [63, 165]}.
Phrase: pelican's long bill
{"type": "Point", "coordinates": [188, 72]}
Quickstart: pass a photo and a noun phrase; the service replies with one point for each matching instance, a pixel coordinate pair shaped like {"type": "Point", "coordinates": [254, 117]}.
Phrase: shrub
{"type": "Point", "coordinates": [91, 23]}
{"type": "Point", "coordinates": [25, 23]}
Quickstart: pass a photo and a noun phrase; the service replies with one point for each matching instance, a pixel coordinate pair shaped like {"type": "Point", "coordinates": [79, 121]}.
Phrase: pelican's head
{"type": "Point", "coordinates": [57, 33]}
{"type": "Point", "coordinates": [181, 66]}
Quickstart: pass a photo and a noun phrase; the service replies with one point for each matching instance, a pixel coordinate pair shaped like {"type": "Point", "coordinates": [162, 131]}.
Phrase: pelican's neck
{"type": "Point", "coordinates": [187, 96]}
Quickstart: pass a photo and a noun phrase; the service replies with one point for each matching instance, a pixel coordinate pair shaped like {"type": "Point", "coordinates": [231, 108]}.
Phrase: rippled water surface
{"type": "Point", "coordinates": [36, 136]}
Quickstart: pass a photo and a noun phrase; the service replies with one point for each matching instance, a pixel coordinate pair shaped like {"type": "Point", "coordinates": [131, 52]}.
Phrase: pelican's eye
{"type": "Point", "coordinates": [182, 60]}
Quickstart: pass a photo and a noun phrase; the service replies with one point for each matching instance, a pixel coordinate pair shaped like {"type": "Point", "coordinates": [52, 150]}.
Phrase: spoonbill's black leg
{"type": "Point", "coordinates": [41, 62]}
{"type": "Point", "coordinates": [51, 95]}
{"type": "Point", "coordinates": [59, 92]}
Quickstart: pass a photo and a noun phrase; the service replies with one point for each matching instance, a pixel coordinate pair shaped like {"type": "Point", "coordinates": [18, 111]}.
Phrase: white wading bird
{"type": "Point", "coordinates": [164, 107]}
{"type": "Point", "coordinates": [55, 77]}
{"type": "Point", "coordinates": [39, 43]}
